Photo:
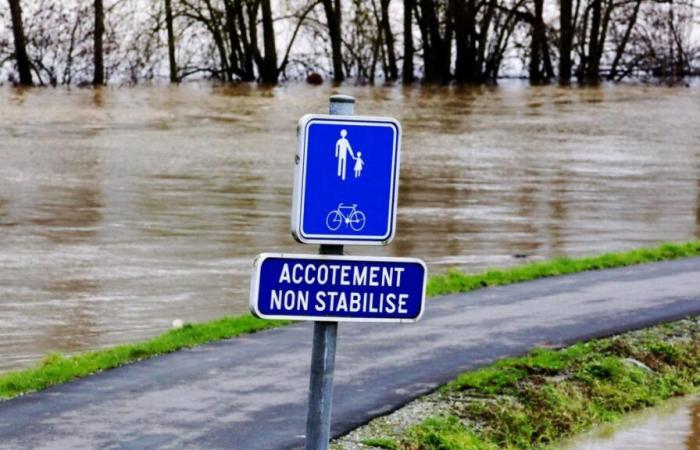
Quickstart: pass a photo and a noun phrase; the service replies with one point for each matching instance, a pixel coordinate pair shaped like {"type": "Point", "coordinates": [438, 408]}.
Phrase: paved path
{"type": "Point", "coordinates": [250, 392]}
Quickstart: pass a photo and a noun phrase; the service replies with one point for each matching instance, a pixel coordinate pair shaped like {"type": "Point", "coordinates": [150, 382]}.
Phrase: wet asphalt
{"type": "Point", "coordinates": [251, 392]}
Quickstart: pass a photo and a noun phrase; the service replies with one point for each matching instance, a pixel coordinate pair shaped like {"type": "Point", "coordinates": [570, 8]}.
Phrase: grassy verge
{"type": "Point", "coordinates": [537, 400]}
{"type": "Point", "coordinates": [56, 369]}
{"type": "Point", "coordinates": [454, 281]}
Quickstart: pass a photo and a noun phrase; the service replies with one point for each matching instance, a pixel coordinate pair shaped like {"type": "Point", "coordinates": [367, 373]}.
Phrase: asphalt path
{"type": "Point", "coordinates": [250, 392]}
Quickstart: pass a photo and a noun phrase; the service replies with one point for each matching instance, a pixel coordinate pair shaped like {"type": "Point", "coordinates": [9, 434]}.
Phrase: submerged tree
{"type": "Point", "coordinates": [23, 65]}
{"type": "Point", "coordinates": [172, 62]}
{"type": "Point", "coordinates": [540, 69]}
{"type": "Point", "coordinates": [388, 39]}
{"type": "Point", "coordinates": [566, 39]}
{"type": "Point", "coordinates": [469, 41]}
{"type": "Point", "coordinates": [267, 62]}
{"type": "Point", "coordinates": [408, 9]}
{"type": "Point", "coordinates": [98, 34]}
{"type": "Point", "coordinates": [242, 38]}
{"type": "Point", "coordinates": [436, 26]}
{"type": "Point", "coordinates": [334, 16]}
{"type": "Point", "coordinates": [662, 46]}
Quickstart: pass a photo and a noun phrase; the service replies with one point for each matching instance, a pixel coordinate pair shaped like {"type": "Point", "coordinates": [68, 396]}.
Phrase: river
{"type": "Point", "coordinates": [122, 209]}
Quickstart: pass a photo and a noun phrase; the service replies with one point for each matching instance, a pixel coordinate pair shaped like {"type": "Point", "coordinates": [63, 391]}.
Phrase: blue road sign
{"type": "Point", "coordinates": [346, 180]}
{"type": "Point", "coordinates": [338, 288]}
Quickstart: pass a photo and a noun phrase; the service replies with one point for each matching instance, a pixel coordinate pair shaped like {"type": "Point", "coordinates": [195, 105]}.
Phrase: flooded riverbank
{"type": "Point", "coordinates": [123, 209]}
{"type": "Point", "coordinates": [674, 426]}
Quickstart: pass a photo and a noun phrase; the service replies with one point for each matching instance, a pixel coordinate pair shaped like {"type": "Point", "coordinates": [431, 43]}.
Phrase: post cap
{"type": "Point", "coordinates": [340, 98]}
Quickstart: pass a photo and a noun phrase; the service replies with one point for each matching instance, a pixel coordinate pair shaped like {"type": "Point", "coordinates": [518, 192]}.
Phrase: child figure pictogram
{"type": "Point", "coordinates": [359, 164]}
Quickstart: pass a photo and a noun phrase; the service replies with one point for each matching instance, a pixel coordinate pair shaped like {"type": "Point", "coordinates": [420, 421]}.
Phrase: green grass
{"type": "Point", "coordinates": [454, 281]}
{"type": "Point", "coordinates": [56, 368]}
{"type": "Point", "coordinates": [384, 443]}
{"type": "Point", "coordinates": [536, 400]}
{"type": "Point", "coordinates": [445, 433]}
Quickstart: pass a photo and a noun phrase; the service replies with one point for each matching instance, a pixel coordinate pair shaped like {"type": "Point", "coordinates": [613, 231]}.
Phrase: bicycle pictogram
{"type": "Point", "coordinates": [348, 215]}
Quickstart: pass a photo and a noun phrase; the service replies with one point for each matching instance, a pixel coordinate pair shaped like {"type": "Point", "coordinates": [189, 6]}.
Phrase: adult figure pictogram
{"type": "Point", "coordinates": [342, 148]}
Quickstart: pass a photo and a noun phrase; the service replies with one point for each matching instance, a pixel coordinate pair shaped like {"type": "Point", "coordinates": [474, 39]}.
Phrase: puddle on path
{"type": "Point", "coordinates": [673, 426]}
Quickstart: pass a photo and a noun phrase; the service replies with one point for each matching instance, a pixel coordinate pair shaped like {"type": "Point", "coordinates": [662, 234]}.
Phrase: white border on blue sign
{"type": "Point", "coordinates": [300, 182]}
{"type": "Point", "coordinates": [255, 287]}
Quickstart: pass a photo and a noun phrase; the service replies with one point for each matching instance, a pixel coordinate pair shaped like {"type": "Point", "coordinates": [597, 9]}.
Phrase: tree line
{"type": "Point", "coordinates": [471, 41]}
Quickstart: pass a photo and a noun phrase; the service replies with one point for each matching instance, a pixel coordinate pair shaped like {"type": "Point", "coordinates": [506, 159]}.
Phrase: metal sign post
{"type": "Point", "coordinates": [318, 417]}
{"type": "Point", "coordinates": [345, 193]}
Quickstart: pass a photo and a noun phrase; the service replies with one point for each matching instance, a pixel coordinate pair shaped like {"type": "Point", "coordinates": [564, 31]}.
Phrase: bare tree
{"type": "Point", "coordinates": [334, 18]}
{"type": "Point", "coordinates": [98, 34]}
{"type": "Point", "coordinates": [436, 26]}
{"type": "Point", "coordinates": [388, 36]}
{"type": "Point", "coordinates": [408, 9]}
{"type": "Point", "coordinates": [482, 34]}
{"type": "Point", "coordinates": [172, 62]}
{"type": "Point", "coordinates": [466, 69]}
{"type": "Point", "coordinates": [363, 45]}
{"type": "Point", "coordinates": [23, 64]}
{"type": "Point", "coordinates": [301, 18]}
{"type": "Point", "coordinates": [241, 51]}
{"type": "Point", "coordinates": [594, 42]}
{"type": "Point", "coordinates": [566, 39]}
{"type": "Point", "coordinates": [661, 45]}
{"type": "Point", "coordinates": [267, 63]}
{"type": "Point", "coordinates": [624, 40]}
{"type": "Point", "coordinates": [540, 69]}
{"type": "Point", "coordinates": [464, 40]}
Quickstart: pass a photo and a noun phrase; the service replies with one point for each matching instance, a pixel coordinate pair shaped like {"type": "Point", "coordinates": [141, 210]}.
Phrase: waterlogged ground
{"type": "Point", "coordinates": [674, 426]}
{"type": "Point", "coordinates": [124, 208]}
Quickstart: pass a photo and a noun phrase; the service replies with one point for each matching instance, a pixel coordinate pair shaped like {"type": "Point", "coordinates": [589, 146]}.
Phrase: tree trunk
{"type": "Point", "coordinates": [389, 41]}
{"type": "Point", "coordinates": [537, 44]}
{"type": "Point", "coordinates": [593, 67]}
{"type": "Point", "coordinates": [566, 37]}
{"type": "Point", "coordinates": [484, 39]}
{"type": "Point", "coordinates": [99, 74]}
{"type": "Point", "coordinates": [446, 47]}
{"type": "Point", "coordinates": [547, 60]}
{"type": "Point", "coordinates": [603, 34]}
{"type": "Point", "coordinates": [334, 20]}
{"type": "Point", "coordinates": [240, 32]}
{"type": "Point", "coordinates": [268, 69]}
{"type": "Point", "coordinates": [236, 51]}
{"type": "Point", "coordinates": [171, 41]}
{"type": "Point", "coordinates": [580, 71]}
{"type": "Point", "coordinates": [249, 44]}
{"type": "Point", "coordinates": [408, 76]}
{"type": "Point", "coordinates": [24, 67]}
{"type": "Point", "coordinates": [466, 60]}
{"type": "Point", "coordinates": [427, 23]}
{"type": "Point", "coordinates": [436, 49]}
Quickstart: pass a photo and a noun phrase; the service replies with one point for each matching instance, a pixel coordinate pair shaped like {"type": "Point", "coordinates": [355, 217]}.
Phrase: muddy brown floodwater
{"type": "Point", "coordinates": [122, 209]}
{"type": "Point", "coordinates": [673, 426]}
